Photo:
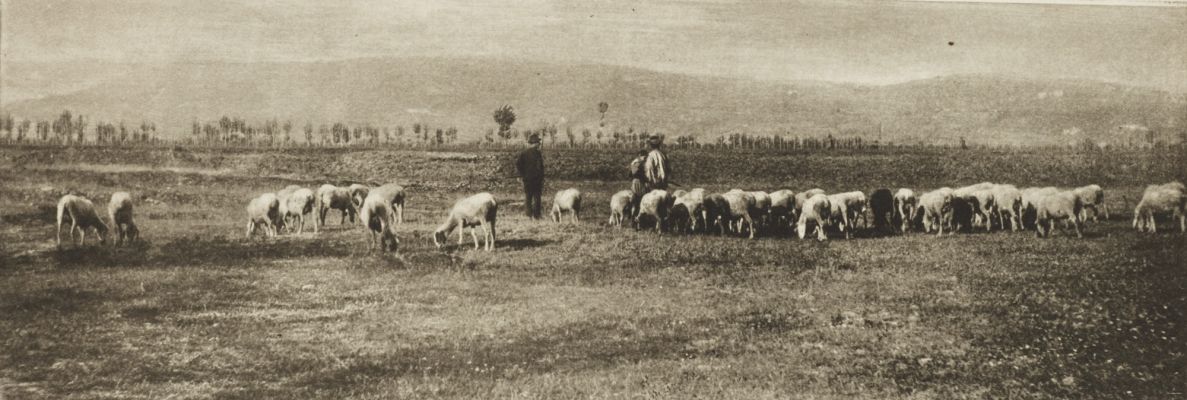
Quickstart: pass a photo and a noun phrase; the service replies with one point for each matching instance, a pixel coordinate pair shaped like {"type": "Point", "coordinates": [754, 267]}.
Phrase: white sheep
{"type": "Point", "coordinates": [358, 193]}
{"type": "Point", "coordinates": [1094, 199]}
{"type": "Point", "coordinates": [783, 207]}
{"type": "Point", "coordinates": [1030, 202]}
{"type": "Point", "coordinates": [566, 201]}
{"type": "Point", "coordinates": [479, 210]}
{"type": "Point", "coordinates": [379, 215]}
{"type": "Point", "coordinates": [981, 197]}
{"type": "Point", "coordinates": [119, 209]}
{"type": "Point", "coordinates": [330, 197]}
{"type": "Point", "coordinates": [1063, 205]}
{"type": "Point", "coordinates": [620, 207]}
{"type": "Point", "coordinates": [1158, 199]}
{"type": "Point", "coordinates": [801, 197]}
{"type": "Point", "coordinates": [264, 210]}
{"type": "Point", "coordinates": [741, 210]}
{"type": "Point", "coordinates": [815, 210]}
{"type": "Point", "coordinates": [296, 205]}
{"type": "Point", "coordinates": [1007, 203]}
{"type": "Point", "coordinates": [847, 207]}
{"type": "Point", "coordinates": [692, 203]}
{"type": "Point", "coordinates": [935, 207]}
{"type": "Point", "coordinates": [905, 202]}
{"type": "Point", "coordinates": [655, 205]}
{"type": "Point", "coordinates": [81, 214]}
{"type": "Point", "coordinates": [762, 207]}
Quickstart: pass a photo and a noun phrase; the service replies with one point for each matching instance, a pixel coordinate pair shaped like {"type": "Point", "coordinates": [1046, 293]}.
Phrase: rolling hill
{"type": "Point", "coordinates": [464, 92]}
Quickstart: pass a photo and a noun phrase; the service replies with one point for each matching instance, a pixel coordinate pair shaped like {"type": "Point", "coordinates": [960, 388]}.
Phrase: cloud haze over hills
{"type": "Point", "coordinates": [905, 70]}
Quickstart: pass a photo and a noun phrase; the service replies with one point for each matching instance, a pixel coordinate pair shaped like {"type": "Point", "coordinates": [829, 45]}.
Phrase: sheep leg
{"type": "Point", "coordinates": [1076, 225]}
{"type": "Point", "coordinates": [474, 234]}
{"type": "Point", "coordinates": [749, 224]}
{"type": "Point", "coordinates": [1106, 207]}
{"type": "Point", "coordinates": [400, 213]}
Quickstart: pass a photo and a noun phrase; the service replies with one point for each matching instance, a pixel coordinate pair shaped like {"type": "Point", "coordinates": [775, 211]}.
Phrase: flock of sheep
{"type": "Point", "coordinates": [813, 211]}
{"type": "Point", "coordinates": [737, 211]}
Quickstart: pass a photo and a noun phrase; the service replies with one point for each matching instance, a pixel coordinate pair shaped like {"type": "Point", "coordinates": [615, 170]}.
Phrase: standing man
{"type": "Point", "coordinates": [531, 172]}
{"type": "Point", "coordinates": [655, 167]}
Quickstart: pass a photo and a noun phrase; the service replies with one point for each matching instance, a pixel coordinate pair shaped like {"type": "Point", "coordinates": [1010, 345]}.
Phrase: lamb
{"type": "Point", "coordinates": [620, 207]}
{"type": "Point", "coordinates": [331, 197]}
{"type": "Point", "coordinates": [298, 203]}
{"type": "Point", "coordinates": [1063, 205]}
{"type": "Point", "coordinates": [1030, 202]}
{"type": "Point", "coordinates": [905, 202]}
{"type": "Point", "coordinates": [882, 206]}
{"type": "Point", "coordinates": [479, 210]}
{"type": "Point", "coordinates": [783, 207]}
{"type": "Point", "coordinates": [817, 210]}
{"type": "Point", "coordinates": [740, 209]}
{"type": "Point", "coordinates": [82, 215]}
{"type": "Point", "coordinates": [847, 207]}
{"type": "Point", "coordinates": [1092, 196]}
{"type": "Point", "coordinates": [1007, 202]}
{"type": "Point", "coordinates": [655, 205]}
{"type": "Point", "coordinates": [264, 210]}
{"type": "Point", "coordinates": [379, 215]}
{"type": "Point", "coordinates": [934, 207]}
{"type": "Point", "coordinates": [568, 200]}
{"type": "Point", "coordinates": [119, 209]}
{"type": "Point", "coordinates": [1157, 199]}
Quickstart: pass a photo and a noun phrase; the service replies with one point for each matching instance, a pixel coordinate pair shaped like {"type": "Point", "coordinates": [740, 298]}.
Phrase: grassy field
{"type": "Point", "coordinates": [576, 311]}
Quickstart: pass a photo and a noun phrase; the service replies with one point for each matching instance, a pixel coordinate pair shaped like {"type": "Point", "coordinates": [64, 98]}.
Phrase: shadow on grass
{"type": "Point", "coordinates": [194, 251]}
{"type": "Point", "coordinates": [573, 347]}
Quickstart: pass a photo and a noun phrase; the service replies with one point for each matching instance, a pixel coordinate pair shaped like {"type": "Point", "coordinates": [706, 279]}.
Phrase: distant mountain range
{"type": "Point", "coordinates": [464, 93]}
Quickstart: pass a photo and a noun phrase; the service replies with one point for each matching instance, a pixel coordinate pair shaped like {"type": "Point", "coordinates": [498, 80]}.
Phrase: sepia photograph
{"type": "Point", "coordinates": [600, 199]}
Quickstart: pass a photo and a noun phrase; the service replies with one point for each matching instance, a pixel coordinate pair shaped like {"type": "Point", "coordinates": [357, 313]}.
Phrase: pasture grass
{"type": "Point", "coordinates": [568, 311]}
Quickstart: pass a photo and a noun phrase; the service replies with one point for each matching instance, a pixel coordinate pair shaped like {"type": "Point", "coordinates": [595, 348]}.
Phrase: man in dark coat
{"type": "Point", "coordinates": [531, 172]}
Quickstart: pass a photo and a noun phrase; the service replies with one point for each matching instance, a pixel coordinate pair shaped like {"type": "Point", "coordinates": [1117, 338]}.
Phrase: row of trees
{"type": "Point", "coordinates": [237, 130]}
{"type": "Point", "coordinates": [69, 128]}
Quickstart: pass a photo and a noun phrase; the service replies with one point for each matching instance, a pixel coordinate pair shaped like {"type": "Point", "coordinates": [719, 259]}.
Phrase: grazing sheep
{"type": "Point", "coordinates": [476, 211]}
{"type": "Point", "coordinates": [1030, 203]}
{"type": "Point", "coordinates": [331, 197]}
{"type": "Point", "coordinates": [568, 200]}
{"type": "Point", "coordinates": [740, 209]}
{"type": "Point", "coordinates": [846, 207]}
{"type": "Point", "coordinates": [801, 197]}
{"type": "Point", "coordinates": [1093, 197]}
{"type": "Point", "coordinates": [980, 198]}
{"type": "Point", "coordinates": [1063, 205]}
{"type": "Point", "coordinates": [358, 194]}
{"type": "Point", "coordinates": [762, 207]}
{"type": "Point", "coordinates": [119, 209]}
{"type": "Point", "coordinates": [655, 205]}
{"type": "Point", "coordinates": [1159, 199]}
{"type": "Point", "coordinates": [935, 207]}
{"type": "Point", "coordinates": [783, 208]}
{"type": "Point", "coordinates": [379, 215]}
{"type": "Point", "coordinates": [620, 207]}
{"type": "Point", "coordinates": [1007, 203]}
{"type": "Point", "coordinates": [82, 215]}
{"type": "Point", "coordinates": [817, 210]}
{"type": "Point", "coordinates": [264, 210]}
{"type": "Point", "coordinates": [717, 212]}
{"type": "Point", "coordinates": [882, 206]}
{"type": "Point", "coordinates": [689, 209]}
{"type": "Point", "coordinates": [905, 203]}
{"type": "Point", "coordinates": [283, 195]}
{"type": "Point", "coordinates": [298, 203]}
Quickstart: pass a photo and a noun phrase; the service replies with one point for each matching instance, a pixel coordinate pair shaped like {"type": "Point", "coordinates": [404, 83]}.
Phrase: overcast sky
{"type": "Point", "coordinates": [867, 42]}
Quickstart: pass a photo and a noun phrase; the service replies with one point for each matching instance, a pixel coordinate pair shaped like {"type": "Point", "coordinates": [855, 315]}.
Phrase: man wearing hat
{"type": "Point", "coordinates": [531, 172]}
{"type": "Point", "coordinates": [655, 167]}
